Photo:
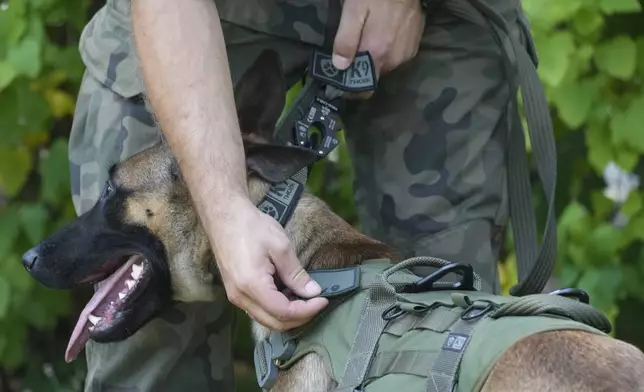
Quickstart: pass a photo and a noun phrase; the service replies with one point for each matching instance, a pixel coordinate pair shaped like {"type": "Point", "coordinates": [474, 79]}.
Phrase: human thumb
{"type": "Point", "coordinates": [293, 275]}
{"type": "Point", "coordinates": [347, 38]}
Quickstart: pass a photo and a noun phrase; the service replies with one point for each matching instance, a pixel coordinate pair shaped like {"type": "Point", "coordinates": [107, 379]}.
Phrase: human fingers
{"type": "Point", "coordinates": [347, 38]}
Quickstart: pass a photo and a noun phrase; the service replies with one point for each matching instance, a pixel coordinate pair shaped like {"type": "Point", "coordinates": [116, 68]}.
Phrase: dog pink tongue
{"type": "Point", "coordinates": [106, 290]}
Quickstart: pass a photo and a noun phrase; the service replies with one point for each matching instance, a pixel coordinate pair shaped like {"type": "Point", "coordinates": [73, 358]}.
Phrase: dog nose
{"type": "Point", "coordinates": [29, 259]}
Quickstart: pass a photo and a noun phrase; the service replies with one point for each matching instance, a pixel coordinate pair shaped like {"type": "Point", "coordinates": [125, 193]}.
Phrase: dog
{"type": "Point", "coordinates": [144, 246]}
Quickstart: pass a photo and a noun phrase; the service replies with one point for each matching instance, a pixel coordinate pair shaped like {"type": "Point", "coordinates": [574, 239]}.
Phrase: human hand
{"type": "Point", "coordinates": [250, 249]}
{"type": "Point", "coordinates": [390, 30]}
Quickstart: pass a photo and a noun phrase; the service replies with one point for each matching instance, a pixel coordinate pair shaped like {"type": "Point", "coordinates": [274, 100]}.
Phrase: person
{"type": "Point", "coordinates": [429, 150]}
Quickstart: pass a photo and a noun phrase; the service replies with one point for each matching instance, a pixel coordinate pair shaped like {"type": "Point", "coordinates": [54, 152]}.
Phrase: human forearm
{"type": "Point", "coordinates": [185, 69]}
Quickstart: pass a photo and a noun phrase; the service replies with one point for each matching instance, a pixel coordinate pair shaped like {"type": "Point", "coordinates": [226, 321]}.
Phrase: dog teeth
{"type": "Point", "coordinates": [122, 295]}
{"type": "Point", "coordinates": [130, 284]}
{"type": "Point", "coordinates": [136, 271]}
{"type": "Point", "coordinates": [91, 328]}
{"type": "Point", "coordinates": [93, 319]}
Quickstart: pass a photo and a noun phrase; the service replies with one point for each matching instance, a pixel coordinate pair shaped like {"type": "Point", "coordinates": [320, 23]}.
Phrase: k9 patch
{"type": "Point", "coordinates": [359, 77]}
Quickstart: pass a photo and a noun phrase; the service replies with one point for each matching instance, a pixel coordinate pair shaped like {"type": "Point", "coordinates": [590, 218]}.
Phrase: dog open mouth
{"type": "Point", "coordinates": [106, 312]}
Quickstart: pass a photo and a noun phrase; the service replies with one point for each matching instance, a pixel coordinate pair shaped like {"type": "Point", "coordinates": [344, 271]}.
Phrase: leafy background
{"type": "Point", "coordinates": [592, 66]}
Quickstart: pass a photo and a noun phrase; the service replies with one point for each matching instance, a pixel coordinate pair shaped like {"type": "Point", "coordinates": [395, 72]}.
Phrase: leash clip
{"type": "Point", "coordinates": [323, 115]}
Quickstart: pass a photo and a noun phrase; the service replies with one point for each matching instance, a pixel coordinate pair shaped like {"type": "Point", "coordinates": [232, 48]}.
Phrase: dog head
{"type": "Point", "coordinates": [142, 243]}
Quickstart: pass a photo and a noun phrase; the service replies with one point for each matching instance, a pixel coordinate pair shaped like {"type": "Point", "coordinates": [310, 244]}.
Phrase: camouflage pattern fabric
{"type": "Point", "coordinates": [429, 151]}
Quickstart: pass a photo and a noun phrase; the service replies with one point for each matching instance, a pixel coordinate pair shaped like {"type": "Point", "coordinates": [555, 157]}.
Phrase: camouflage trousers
{"type": "Point", "coordinates": [429, 151]}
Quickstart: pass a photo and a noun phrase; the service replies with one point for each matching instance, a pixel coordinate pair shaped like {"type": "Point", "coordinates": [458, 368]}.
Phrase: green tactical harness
{"type": "Point", "coordinates": [383, 329]}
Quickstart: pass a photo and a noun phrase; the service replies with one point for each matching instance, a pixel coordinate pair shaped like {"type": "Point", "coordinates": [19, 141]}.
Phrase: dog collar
{"type": "Point", "coordinates": [281, 199]}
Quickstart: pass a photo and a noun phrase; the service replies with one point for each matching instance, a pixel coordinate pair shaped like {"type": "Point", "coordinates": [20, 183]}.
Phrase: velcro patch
{"type": "Point", "coordinates": [456, 342]}
{"type": "Point", "coordinates": [278, 203]}
{"type": "Point", "coordinates": [359, 77]}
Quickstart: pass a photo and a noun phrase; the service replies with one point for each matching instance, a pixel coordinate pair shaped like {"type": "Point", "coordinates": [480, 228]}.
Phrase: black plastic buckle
{"type": "Point", "coordinates": [430, 282]}
{"type": "Point", "coordinates": [578, 294]}
{"type": "Point", "coordinates": [323, 115]}
{"type": "Point", "coordinates": [275, 348]}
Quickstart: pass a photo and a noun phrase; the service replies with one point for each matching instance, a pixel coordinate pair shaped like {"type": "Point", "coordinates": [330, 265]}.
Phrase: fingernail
{"type": "Point", "coordinates": [312, 288]}
{"type": "Point", "coordinates": [340, 62]}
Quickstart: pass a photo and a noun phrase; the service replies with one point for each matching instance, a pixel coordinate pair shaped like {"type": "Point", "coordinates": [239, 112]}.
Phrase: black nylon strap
{"type": "Point", "coordinates": [332, 24]}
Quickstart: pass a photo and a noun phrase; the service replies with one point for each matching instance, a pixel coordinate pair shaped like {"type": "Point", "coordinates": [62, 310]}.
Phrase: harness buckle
{"type": "Point", "coordinates": [265, 368]}
{"type": "Point", "coordinates": [277, 347]}
{"type": "Point", "coordinates": [431, 283]}
{"type": "Point", "coordinates": [578, 294]}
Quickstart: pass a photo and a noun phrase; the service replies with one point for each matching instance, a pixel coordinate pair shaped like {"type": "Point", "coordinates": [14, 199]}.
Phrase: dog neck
{"type": "Point", "coordinates": [322, 239]}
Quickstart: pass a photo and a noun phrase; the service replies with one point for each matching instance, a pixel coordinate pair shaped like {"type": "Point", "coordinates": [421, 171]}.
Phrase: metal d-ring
{"type": "Point", "coordinates": [469, 315]}
{"type": "Point", "coordinates": [392, 312]}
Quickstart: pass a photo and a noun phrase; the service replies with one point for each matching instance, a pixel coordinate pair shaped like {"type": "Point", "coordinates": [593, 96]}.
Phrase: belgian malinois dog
{"type": "Point", "coordinates": [145, 246]}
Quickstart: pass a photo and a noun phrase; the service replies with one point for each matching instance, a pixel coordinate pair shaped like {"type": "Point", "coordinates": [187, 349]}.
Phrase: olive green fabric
{"type": "Point", "coordinates": [409, 346]}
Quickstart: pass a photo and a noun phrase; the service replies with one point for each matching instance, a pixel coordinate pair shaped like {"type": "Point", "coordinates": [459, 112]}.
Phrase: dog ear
{"type": "Point", "coordinates": [275, 163]}
{"type": "Point", "coordinates": [260, 94]}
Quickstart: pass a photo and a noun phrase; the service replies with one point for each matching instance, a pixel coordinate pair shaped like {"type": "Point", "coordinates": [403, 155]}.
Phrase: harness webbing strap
{"type": "Point", "coordinates": [332, 24]}
{"type": "Point", "coordinates": [534, 265]}
{"type": "Point", "coordinates": [370, 327]}
{"type": "Point", "coordinates": [444, 372]}
{"type": "Point", "coordinates": [405, 362]}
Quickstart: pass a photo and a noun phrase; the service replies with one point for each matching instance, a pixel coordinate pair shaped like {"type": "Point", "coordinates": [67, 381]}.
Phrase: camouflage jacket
{"type": "Point", "coordinates": [106, 43]}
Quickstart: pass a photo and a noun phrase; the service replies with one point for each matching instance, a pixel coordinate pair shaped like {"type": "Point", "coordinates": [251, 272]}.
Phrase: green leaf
{"type": "Point", "coordinates": [626, 158]}
{"type": "Point", "coordinates": [602, 285]}
{"type": "Point", "coordinates": [603, 243]}
{"type": "Point", "coordinates": [633, 204]}
{"type": "Point", "coordinates": [602, 206]}
{"type": "Point", "coordinates": [640, 55]}
{"type": "Point", "coordinates": [25, 57]}
{"type": "Point", "coordinates": [588, 21]}
{"type": "Point", "coordinates": [620, 6]}
{"type": "Point", "coordinates": [9, 230]}
{"type": "Point", "coordinates": [66, 59]}
{"type": "Point", "coordinates": [22, 111]}
{"type": "Point", "coordinates": [13, 354]}
{"type": "Point", "coordinates": [13, 25]}
{"type": "Point", "coordinates": [598, 141]}
{"type": "Point", "coordinates": [54, 170]}
{"type": "Point", "coordinates": [617, 57]}
{"type": "Point", "coordinates": [574, 213]}
{"type": "Point", "coordinates": [626, 126]}
{"type": "Point", "coordinates": [5, 297]}
{"type": "Point", "coordinates": [7, 74]}
{"type": "Point", "coordinates": [574, 101]}
{"type": "Point", "coordinates": [15, 165]}
{"type": "Point", "coordinates": [554, 52]}
{"type": "Point", "coordinates": [550, 12]}
{"type": "Point", "coordinates": [20, 280]}
{"type": "Point", "coordinates": [34, 218]}
{"type": "Point", "coordinates": [634, 227]}
{"type": "Point", "coordinates": [42, 5]}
